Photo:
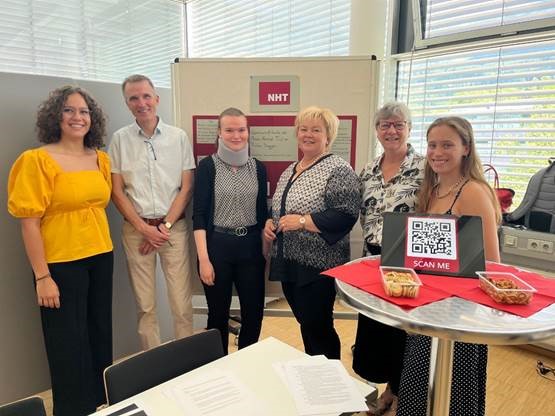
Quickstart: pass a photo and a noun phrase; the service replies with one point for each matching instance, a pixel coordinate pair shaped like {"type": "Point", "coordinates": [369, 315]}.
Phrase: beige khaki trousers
{"type": "Point", "coordinates": [176, 265]}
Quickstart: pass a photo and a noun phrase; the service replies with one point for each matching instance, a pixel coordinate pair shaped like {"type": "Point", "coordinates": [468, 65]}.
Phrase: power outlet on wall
{"type": "Point", "coordinates": [540, 246]}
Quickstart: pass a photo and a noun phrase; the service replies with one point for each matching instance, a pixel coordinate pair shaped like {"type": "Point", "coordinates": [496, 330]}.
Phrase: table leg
{"type": "Point", "coordinates": [441, 365]}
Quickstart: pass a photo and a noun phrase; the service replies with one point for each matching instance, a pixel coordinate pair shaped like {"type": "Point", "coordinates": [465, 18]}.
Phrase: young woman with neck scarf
{"type": "Point", "coordinates": [229, 212]}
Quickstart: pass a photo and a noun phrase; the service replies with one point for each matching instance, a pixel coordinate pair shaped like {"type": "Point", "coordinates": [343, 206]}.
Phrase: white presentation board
{"type": "Point", "coordinates": [202, 88]}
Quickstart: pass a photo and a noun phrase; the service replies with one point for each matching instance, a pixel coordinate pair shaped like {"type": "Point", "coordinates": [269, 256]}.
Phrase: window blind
{"type": "Point", "coordinates": [507, 93]}
{"type": "Point", "coordinates": [266, 28]}
{"type": "Point", "coordinates": [104, 40]}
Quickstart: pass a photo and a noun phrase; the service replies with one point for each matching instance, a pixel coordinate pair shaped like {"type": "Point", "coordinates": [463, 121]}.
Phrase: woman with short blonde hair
{"type": "Point", "coordinates": [314, 207]}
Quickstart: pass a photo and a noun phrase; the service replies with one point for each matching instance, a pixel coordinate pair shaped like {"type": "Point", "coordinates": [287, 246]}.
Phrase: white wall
{"type": "Point", "coordinates": [368, 25]}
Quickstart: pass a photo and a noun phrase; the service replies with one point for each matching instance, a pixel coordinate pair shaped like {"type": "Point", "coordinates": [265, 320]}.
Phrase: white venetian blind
{"type": "Point", "coordinates": [445, 17]}
{"type": "Point", "coordinates": [508, 94]}
{"type": "Point", "coordinates": [99, 40]}
{"type": "Point", "coordinates": [265, 28]}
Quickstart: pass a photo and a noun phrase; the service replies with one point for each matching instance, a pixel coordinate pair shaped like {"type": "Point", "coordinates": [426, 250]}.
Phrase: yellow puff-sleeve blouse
{"type": "Point", "coordinates": [71, 205]}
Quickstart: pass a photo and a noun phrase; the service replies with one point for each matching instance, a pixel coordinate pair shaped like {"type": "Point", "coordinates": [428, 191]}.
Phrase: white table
{"type": "Point", "coordinates": [252, 366]}
{"type": "Point", "coordinates": [448, 320]}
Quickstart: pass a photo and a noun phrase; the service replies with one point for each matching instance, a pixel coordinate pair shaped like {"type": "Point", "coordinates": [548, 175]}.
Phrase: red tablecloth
{"type": "Point", "coordinates": [365, 275]}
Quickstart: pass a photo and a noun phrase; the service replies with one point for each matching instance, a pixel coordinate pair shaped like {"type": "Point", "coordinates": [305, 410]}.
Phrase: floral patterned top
{"type": "Point", "coordinates": [397, 195]}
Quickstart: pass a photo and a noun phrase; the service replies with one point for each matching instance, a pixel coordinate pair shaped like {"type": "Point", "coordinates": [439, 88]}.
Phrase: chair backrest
{"type": "Point", "coordinates": [33, 406]}
{"type": "Point", "coordinates": [157, 365]}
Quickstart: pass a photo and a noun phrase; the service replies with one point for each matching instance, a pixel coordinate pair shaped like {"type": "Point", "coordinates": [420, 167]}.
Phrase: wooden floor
{"type": "Point", "coordinates": [513, 388]}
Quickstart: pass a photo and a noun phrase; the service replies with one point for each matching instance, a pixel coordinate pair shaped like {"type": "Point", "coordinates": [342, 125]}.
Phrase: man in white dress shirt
{"type": "Point", "coordinates": [152, 180]}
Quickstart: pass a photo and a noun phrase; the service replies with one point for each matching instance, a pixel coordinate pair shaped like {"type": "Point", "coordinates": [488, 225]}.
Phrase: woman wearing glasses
{"type": "Point", "coordinates": [315, 205]}
{"type": "Point", "coordinates": [389, 184]}
{"type": "Point", "coordinates": [59, 192]}
{"type": "Point", "coordinates": [229, 212]}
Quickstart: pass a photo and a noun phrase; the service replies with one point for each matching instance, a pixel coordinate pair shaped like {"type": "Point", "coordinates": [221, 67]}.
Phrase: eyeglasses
{"type": "Point", "coordinates": [398, 125]}
{"type": "Point", "coordinates": [70, 111]}
{"type": "Point", "coordinates": [545, 371]}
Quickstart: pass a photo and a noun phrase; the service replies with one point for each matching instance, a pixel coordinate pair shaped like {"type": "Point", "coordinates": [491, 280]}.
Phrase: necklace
{"type": "Point", "coordinates": [451, 189]}
{"type": "Point", "coordinates": [312, 162]}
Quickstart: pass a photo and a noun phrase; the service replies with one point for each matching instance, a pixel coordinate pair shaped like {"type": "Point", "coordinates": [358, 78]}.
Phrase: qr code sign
{"type": "Point", "coordinates": [434, 238]}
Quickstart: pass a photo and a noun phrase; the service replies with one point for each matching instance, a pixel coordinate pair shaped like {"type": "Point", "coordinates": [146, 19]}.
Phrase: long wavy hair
{"type": "Point", "coordinates": [49, 117]}
{"type": "Point", "coordinates": [471, 166]}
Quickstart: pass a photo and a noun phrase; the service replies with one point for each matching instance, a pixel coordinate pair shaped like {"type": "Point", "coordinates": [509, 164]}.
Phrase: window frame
{"type": "Point", "coordinates": [511, 29]}
{"type": "Point", "coordinates": [508, 174]}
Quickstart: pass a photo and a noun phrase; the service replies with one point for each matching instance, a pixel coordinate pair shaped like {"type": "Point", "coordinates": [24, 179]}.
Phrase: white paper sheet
{"type": "Point", "coordinates": [320, 386]}
{"type": "Point", "coordinates": [215, 393]}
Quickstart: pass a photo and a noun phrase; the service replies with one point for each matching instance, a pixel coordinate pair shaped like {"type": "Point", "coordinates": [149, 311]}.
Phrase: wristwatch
{"type": "Point", "coordinates": [168, 225]}
{"type": "Point", "coordinates": [302, 221]}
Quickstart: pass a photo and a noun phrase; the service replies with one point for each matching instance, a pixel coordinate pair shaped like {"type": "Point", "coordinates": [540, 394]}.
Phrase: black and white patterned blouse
{"type": "Point", "coordinates": [235, 194]}
{"type": "Point", "coordinates": [328, 189]}
{"type": "Point", "coordinates": [397, 195]}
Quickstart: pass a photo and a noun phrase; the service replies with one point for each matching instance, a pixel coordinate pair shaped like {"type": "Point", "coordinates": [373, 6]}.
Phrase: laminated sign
{"type": "Point", "coordinates": [434, 244]}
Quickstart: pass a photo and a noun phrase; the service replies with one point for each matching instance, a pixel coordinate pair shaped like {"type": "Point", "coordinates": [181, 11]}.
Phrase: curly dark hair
{"type": "Point", "coordinates": [49, 117]}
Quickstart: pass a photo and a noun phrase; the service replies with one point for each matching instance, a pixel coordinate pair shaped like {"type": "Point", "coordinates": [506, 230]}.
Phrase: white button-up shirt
{"type": "Point", "coordinates": [151, 167]}
{"type": "Point", "coordinates": [397, 195]}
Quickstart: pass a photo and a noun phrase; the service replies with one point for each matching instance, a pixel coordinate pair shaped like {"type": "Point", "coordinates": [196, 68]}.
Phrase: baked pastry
{"type": "Point", "coordinates": [506, 291]}
{"type": "Point", "coordinates": [400, 284]}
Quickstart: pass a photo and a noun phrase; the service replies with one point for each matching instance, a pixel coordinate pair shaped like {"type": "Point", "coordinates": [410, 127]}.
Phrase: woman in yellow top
{"type": "Point", "coordinates": [59, 192]}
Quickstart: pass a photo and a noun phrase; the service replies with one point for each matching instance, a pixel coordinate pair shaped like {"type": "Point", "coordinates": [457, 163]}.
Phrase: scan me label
{"type": "Point", "coordinates": [432, 244]}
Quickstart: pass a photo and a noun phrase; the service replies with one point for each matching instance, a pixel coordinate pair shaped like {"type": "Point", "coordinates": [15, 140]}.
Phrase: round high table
{"type": "Point", "coordinates": [451, 319]}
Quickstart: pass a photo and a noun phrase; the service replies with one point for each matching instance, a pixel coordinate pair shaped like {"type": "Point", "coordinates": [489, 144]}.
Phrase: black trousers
{"type": "Point", "coordinates": [237, 261]}
{"type": "Point", "coordinates": [312, 305]}
{"type": "Point", "coordinates": [379, 349]}
{"type": "Point", "coordinates": [78, 335]}
{"type": "Point", "coordinates": [378, 353]}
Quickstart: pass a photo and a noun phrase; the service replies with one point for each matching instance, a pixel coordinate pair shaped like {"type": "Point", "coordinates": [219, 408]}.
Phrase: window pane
{"type": "Point", "coordinates": [446, 17]}
{"type": "Point", "coordinates": [507, 93]}
{"type": "Point", "coordinates": [266, 28]}
{"type": "Point", "coordinates": [100, 40]}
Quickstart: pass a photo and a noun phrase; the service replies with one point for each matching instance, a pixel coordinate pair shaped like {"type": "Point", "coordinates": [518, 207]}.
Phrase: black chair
{"type": "Point", "coordinates": [33, 406]}
{"type": "Point", "coordinates": [157, 365]}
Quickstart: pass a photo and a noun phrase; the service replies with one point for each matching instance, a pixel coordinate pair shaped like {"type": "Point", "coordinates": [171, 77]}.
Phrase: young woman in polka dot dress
{"type": "Point", "coordinates": [453, 184]}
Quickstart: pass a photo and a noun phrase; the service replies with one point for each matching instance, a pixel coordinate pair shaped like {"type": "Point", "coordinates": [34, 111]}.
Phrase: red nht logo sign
{"type": "Point", "coordinates": [274, 93]}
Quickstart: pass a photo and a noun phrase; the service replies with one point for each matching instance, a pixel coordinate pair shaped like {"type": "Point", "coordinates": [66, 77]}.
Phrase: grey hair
{"type": "Point", "coordinates": [393, 109]}
{"type": "Point", "coordinates": [136, 78]}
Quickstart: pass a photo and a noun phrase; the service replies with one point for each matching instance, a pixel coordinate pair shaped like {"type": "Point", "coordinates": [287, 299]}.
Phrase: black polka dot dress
{"type": "Point", "coordinates": [468, 386]}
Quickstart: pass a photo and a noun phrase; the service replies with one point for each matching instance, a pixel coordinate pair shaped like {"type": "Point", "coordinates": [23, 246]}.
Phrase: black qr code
{"type": "Point", "coordinates": [431, 238]}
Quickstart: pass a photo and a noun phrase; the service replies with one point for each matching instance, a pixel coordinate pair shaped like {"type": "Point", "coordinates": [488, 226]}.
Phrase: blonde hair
{"type": "Point", "coordinates": [471, 165]}
{"type": "Point", "coordinates": [231, 112]}
{"type": "Point", "coordinates": [325, 115]}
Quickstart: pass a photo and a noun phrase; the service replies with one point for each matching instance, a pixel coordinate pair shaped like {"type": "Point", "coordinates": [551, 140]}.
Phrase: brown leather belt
{"type": "Point", "coordinates": [157, 221]}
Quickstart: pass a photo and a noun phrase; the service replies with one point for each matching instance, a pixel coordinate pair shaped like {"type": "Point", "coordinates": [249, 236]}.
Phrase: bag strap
{"type": "Point", "coordinates": [490, 168]}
